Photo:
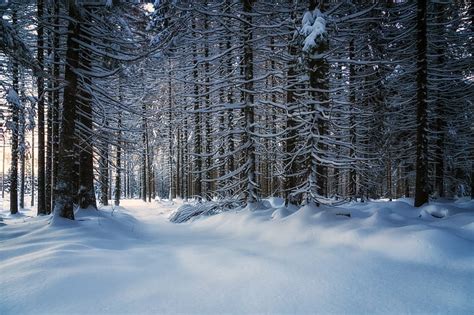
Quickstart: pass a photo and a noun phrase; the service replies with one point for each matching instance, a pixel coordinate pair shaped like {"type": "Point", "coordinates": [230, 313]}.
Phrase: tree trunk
{"type": "Point", "coordinates": [208, 117]}
{"type": "Point", "coordinates": [352, 124]}
{"type": "Point", "coordinates": [440, 104]}
{"type": "Point", "coordinates": [32, 178]}
{"type": "Point", "coordinates": [65, 186]}
{"type": "Point", "coordinates": [144, 153]}
{"type": "Point", "coordinates": [251, 194]}
{"type": "Point", "coordinates": [86, 193]}
{"type": "Point", "coordinates": [56, 110]}
{"type": "Point", "coordinates": [104, 172]}
{"type": "Point", "coordinates": [290, 180]}
{"type": "Point", "coordinates": [14, 136]}
{"type": "Point", "coordinates": [22, 151]}
{"type": "Point", "coordinates": [197, 127]}
{"type": "Point", "coordinates": [118, 161]}
{"type": "Point", "coordinates": [421, 183]}
{"type": "Point", "coordinates": [40, 86]}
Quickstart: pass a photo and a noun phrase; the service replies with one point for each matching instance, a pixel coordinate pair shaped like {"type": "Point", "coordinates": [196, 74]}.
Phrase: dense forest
{"type": "Point", "coordinates": [312, 101]}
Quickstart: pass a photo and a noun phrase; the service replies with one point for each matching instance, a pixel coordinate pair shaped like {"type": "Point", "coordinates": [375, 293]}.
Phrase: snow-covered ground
{"type": "Point", "coordinates": [385, 258]}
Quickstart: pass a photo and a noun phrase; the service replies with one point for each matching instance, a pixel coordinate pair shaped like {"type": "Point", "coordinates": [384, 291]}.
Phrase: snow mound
{"type": "Point", "coordinates": [263, 259]}
{"type": "Point", "coordinates": [190, 211]}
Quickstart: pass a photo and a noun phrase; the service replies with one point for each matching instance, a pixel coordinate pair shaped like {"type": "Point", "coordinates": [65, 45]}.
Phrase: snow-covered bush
{"type": "Point", "coordinates": [206, 208]}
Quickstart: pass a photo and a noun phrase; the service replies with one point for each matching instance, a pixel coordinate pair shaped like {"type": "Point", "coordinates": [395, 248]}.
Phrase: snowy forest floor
{"type": "Point", "coordinates": [385, 258]}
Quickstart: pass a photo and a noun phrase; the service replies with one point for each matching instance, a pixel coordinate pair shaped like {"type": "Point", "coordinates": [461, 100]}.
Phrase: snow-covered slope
{"type": "Point", "coordinates": [387, 257]}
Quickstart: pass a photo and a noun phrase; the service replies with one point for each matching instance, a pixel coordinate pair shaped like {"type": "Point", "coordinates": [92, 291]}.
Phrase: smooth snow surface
{"type": "Point", "coordinates": [388, 257]}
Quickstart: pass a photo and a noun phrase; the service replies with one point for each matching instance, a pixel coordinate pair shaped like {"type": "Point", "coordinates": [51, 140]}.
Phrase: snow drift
{"type": "Point", "coordinates": [387, 257]}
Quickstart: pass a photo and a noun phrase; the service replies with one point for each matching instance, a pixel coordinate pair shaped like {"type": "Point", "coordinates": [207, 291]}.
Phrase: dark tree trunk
{"type": "Point", "coordinates": [290, 182]}
{"type": "Point", "coordinates": [440, 110]}
{"type": "Point", "coordinates": [472, 175]}
{"type": "Point", "coordinates": [352, 124]}
{"type": "Point", "coordinates": [104, 172]}
{"type": "Point", "coordinates": [318, 81]}
{"type": "Point", "coordinates": [86, 192]}
{"type": "Point", "coordinates": [249, 114]}
{"type": "Point", "coordinates": [230, 111]}
{"type": "Point", "coordinates": [32, 178]}
{"type": "Point", "coordinates": [118, 162]}
{"type": "Point", "coordinates": [55, 110]}
{"type": "Point", "coordinates": [40, 86]}
{"type": "Point", "coordinates": [22, 151]}
{"type": "Point", "coordinates": [173, 185]}
{"type": "Point", "coordinates": [208, 117]}
{"type": "Point", "coordinates": [66, 181]}
{"type": "Point", "coordinates": [197, 128]}
{"type": "Point", "coordinates": [14, 136]}
{"type": "Point", "coordinates": [421, 184]}
{"type": "Point", "coordinates": [49, 118]}
{"type": "Point", "coordinates": [144, 154]}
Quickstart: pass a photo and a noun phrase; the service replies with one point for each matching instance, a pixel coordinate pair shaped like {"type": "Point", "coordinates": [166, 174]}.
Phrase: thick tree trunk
{"type": "Point", "coordinates": [318, 81]}
{"type": "Point", "coordinates": [66, 182]}
{"type": "Point", "coordinates": [86, 193]}
{"type": "Point", "coordinates": [421, 184]}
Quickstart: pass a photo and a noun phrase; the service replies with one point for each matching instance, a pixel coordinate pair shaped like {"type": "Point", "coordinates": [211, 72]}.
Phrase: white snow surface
{"type": "Point", "coordinates": [387, 258]}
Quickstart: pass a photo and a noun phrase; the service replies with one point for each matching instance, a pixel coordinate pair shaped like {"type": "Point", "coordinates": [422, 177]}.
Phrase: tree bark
{"type": "Point", "coordinates": [66, 182]}
{"type": "Point", "coordinates": [118, 162]}
{"type": "Point", "coordinates": [40, 86]}
{"type": "Point", "coordinates": [86, 193]}
{"type": "Point", "coordinates": [421, 182]}
{"type": "Point", "coordinates": [251, 194]}
{"type": "Point", "coordinates": [14, 136]}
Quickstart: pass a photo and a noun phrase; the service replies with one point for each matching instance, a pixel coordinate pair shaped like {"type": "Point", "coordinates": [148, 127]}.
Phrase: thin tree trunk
{"type": "Point", "coordinates": [32, 167]}
{"type": "Point", "coordinates": [290, 180]}
{"type": "Point", "coordinates": [14, 136]}
{"type": "Point", "coordinates": [197, 127]}
{"type": "Point", "coordinates": [22, 151]}
{"type": "Point", "coordinates": [40, 86]}
{"type": "Point", "coordinates": [144, 153]}
{"type": "Point", "coordinates": [251, 194]}
{"type": "Point", "coordinates": [55, 110]}
{"type": "Point", "coordinates": [208, 117]}
{"type": "Point", "coordinates": [118, 161]}
{"type": "Point", "coordinates": [104, 172]}
{"type": "Point", "coordinates": [353, 140]}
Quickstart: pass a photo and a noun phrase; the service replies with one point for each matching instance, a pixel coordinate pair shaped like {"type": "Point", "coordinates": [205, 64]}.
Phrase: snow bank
{"type": "Point", "coordinates": [384, 258]}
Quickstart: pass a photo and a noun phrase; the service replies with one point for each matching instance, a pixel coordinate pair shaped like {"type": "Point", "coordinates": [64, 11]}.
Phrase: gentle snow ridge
{"type": "Point", "coordinates": [385, 258]}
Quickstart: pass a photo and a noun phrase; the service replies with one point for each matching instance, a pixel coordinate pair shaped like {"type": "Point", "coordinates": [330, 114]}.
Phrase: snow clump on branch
{"type": "Point", "coordinates": [313, 27]}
